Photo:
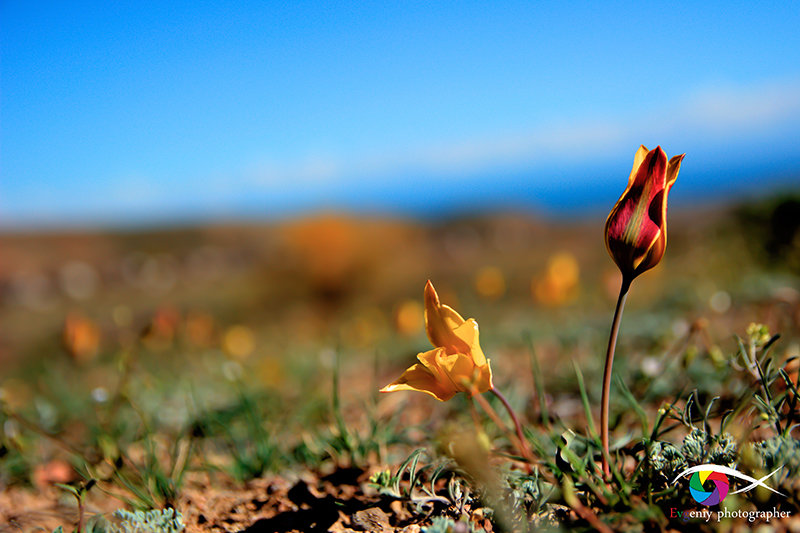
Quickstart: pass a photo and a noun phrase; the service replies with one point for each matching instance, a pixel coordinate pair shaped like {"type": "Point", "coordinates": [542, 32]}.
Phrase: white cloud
{"type": "Point", "coordinates": [315, 169]}
{"type": "Point", "coordinates": [712, 112]}
{"type": "Point", "coordinates": [722, 108]}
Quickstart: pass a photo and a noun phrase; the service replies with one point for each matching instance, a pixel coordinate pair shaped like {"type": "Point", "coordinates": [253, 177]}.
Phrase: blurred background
{"type": "Point", "coordinates": [259, 180]}
{"type": "Point", "coordinates": [141, 114]}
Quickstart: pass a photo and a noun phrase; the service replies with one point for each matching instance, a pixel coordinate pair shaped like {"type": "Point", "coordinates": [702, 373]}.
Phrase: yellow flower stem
{"type": "Point", "coordinates": [490, 411]}
{"type": "Point", "coordinates": [612, 344]}
{"type": "Point", "coordinates": [475, 417]}
{"type": "Point", "coordinates": [525, 449]}
{"type": "Point", "coordinates": [521, 445]}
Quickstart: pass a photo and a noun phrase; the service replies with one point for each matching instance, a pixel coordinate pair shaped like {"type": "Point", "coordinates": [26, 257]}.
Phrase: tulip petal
{"type": "Point", "coordinates": [630, 229]}
{"type": "Point", "coordinates": [636, 228]}
{"type": "Point", "coordinates": [459, 369]}
{"type": "Point", "coordinates": [673, 167]}
{"type": "Point", "coordinates": [468, 333]}
{"type": "Point", "coordinates": [638, 157]}
{"type": "Point", "coordinates": [440, 321]}
{"type": "Point", "coordinates": [658, 214]}
{"type": "Point", "coordinates": [483, 381]}
{"type": "Point", "coordinates": [418, 378]}
{"type": "Point", "coordinates": [431, 361]}
{"type": "Point", "coordinates": [648, 185]}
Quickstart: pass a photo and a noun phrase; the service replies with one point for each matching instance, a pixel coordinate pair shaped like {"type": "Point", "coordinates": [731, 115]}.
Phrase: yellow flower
{"type": "Point", "coordinates": [456, 364]}
{"type": "Point", "coordinates": [636, 229]}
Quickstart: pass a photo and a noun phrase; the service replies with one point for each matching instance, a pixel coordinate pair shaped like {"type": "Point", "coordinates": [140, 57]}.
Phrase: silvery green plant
{"type": "Point", "coordinates": [443, 524]}
{"type": "Point", "coordinates": [780, 450]}
{"type": "Point", "coordinates": [154, 521]}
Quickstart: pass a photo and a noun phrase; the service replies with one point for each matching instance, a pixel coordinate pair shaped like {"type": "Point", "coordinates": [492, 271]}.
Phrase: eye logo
{"type": "Point", "coordinates": [709, 483]}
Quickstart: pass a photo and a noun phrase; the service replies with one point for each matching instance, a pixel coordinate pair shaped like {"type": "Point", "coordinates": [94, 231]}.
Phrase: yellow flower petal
{"type": "Point", "coordinates": [468, 333]}
{"type": "Point", "coordinates": [440, 321]}
{"type": "Point", "coordinates": [483, 380]}
{"type": "Point", "coordinates": [418, 378]}
{"type": "Point", "coordinates": [458, 368]}
{"type": "Point", "coordinates": [431, 360]}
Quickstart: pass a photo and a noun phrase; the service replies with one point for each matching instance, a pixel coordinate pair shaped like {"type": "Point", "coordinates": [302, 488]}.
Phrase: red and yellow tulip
{"type": "Point", "coordinates": [456, 364]}
{"type": "Point", "coordinates": [636, 229]}
{"type": "Point", "coordinates": [636, 237]}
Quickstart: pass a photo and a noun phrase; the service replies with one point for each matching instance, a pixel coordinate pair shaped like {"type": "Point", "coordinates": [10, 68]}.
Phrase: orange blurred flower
{"type": "Point", "coordinates": [456, 364]}
{"type": "Point", "coordinates": [55, 471]}
{"type": "Point", "coordinates": [199, 329]}
{"type": "Point", "coordinates": [81, 337]}
{"type": "Point", "coordinates": [636, 229]}
{"type": "Point", "coordinates": [160, 333]}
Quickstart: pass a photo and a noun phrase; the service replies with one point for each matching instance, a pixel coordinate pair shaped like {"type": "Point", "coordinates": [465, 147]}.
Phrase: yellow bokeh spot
{"type": "Point", "coordinates": [490, 282]}
{"type": "Point", "coordinates": [16, 394]}
{"type": "Point", "coordinates": [238, 341]}
{"type": "Point", "coordinates": [122, 315]}
{"type": "Point", "coordinates": [270, 371]}
{"type": "Point", "coordinates": [409, 318]}
{"type": "Point", "coordinates": [559, 283]}
{"type": "Point", "coordinates": [365, 328]}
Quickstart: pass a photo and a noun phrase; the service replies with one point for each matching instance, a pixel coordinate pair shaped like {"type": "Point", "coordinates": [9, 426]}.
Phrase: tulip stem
{"type": "Point", "coordinates": [612, 344]}
{"type": "Point", "coordinates": [520, 444]}
{"type": "Point", "coordinates": [524, 448]}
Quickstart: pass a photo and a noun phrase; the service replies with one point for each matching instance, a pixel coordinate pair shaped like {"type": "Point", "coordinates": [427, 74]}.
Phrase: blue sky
{"type": "Point", "coordinates": [146, 113]}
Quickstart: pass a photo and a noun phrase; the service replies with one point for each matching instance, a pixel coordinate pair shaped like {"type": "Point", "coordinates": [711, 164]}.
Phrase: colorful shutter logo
{"type": "Point", "coordinates": [719, 487]}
